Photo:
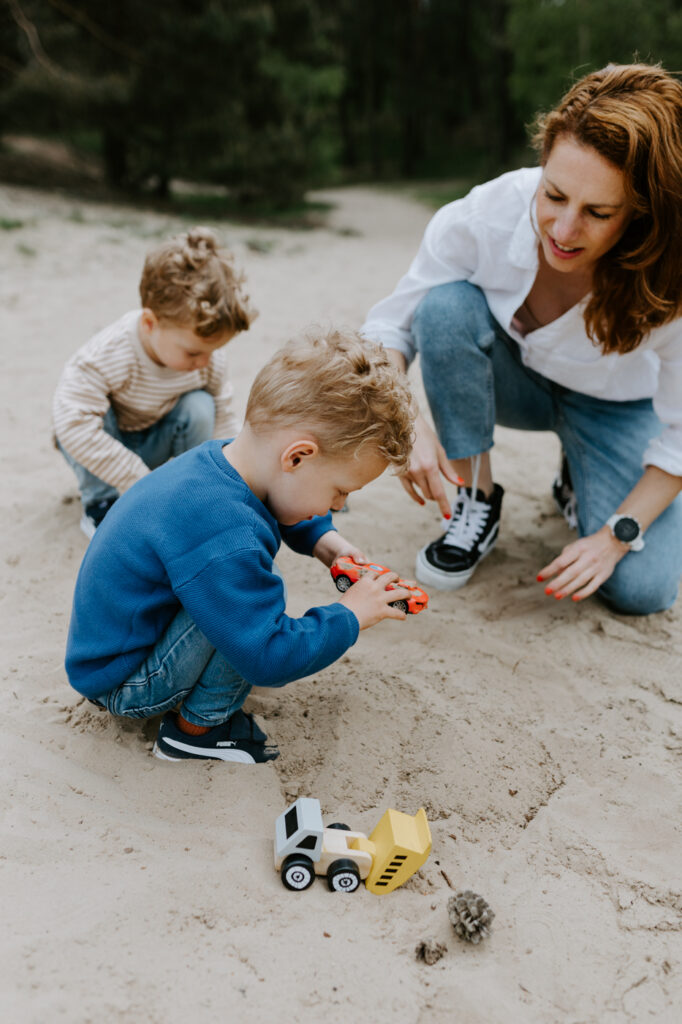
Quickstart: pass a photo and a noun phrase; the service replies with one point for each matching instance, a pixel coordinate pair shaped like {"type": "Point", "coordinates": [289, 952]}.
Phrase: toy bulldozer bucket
{"type": "Point", "coordinates": [401, 843]}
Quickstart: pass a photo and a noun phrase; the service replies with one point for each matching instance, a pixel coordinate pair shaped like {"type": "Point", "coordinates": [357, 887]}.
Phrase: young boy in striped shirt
{"type": "Point", "coordinates": [153, 384]}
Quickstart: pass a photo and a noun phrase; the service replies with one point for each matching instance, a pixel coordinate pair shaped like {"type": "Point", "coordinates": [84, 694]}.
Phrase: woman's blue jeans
{"type": "Point", "coordinates": [184, 668]}
{"type": "Point", "coordinates": [474, 378]}
{"type": "Point", "coordinates": [190, 421]}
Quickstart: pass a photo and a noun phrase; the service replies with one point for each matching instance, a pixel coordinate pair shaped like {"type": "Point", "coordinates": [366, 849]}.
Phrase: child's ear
{"type": "Point", "coordinates": [297, 453]}
{"type": "Point", "coordinates": [148, 320]}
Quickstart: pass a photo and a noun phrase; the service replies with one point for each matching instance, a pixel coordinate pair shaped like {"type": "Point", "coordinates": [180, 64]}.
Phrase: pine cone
{"type": "Point", "coordinates": [470, 915]}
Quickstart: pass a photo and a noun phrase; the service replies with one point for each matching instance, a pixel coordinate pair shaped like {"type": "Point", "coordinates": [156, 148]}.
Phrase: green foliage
{"type": "Point", "coordinates": [437, 194]}
{"type": "Point", "coordinates": [555, 42]}
{"type": "Point", "coordinates": [239, 92]}
{"type": "Point", "coordinates": [269, 98]}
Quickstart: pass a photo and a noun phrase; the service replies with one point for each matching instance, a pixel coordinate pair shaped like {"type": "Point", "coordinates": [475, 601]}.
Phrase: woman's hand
{"type": "Point", "coordinates": [332, 545]}
{"type": "Point", "coordinates": [583, 565]}
{"type": "Point", "coordinates": [428, 461]}
{"type": "Point", "coordinates": [428, 465]}
{"type": "Point", "coordinates": [370, 602]}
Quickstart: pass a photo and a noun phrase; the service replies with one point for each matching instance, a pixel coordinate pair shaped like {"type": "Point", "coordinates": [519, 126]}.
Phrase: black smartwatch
{"type": "Point", "coordinates": [627, 530]}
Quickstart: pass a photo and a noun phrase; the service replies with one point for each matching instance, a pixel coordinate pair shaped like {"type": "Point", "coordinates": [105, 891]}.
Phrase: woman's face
{"type": "Point", "coordinates": [582, 210]}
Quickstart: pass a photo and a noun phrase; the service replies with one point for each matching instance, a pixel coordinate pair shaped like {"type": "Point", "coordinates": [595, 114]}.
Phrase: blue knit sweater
{"type": "Point", "coordinates": [193, 534]}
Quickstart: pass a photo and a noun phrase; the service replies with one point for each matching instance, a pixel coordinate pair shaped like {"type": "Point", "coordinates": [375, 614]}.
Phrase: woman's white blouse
{"type": "Point", "coordinates": [488, 238]}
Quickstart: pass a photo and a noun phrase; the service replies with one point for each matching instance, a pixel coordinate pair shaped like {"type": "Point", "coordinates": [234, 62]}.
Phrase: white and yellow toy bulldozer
{"type": "Point", "coordinates": [397, 847]}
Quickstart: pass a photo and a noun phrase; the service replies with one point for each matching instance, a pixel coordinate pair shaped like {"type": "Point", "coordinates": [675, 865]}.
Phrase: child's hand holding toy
{"type": "Point", "coordinates": [371, 601]}
{"type": "Point", "coordinates": [373, 592]}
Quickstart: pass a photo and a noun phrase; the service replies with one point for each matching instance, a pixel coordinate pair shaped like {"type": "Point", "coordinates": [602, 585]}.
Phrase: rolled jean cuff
{"type": "Point", "coordinates": [215, 717]}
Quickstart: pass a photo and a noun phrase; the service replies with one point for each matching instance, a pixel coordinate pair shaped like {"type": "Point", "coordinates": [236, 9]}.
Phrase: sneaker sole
{"type": "Point", "coordinates": [87, 527]}
{"type": "Point", "coordinates": [440, 579]}
{"type": "Point", "coordinates": [199, 754]}
{"type": "Point", "coordinates": [231, 754]}
{"type": "Point", "coordinates": [158, 752]}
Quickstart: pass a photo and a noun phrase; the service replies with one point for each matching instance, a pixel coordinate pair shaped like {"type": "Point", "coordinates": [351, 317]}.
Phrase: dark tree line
{"type": "Point", "coordinates": [268, 98]}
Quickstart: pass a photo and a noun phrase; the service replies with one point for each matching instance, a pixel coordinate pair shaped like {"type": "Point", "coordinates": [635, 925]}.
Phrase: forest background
{"type": "Point", "coordinates": [266, 100]}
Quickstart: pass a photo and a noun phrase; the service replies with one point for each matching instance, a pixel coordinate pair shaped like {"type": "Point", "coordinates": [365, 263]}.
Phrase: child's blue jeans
{"type": "Point", "coordinates": [474, 377]}
{"type": "Point", "coordinates": [190, 421]}
{"type": "Point", "coordinates": [184, 668]}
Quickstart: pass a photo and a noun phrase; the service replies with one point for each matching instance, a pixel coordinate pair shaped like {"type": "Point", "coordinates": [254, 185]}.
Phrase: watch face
{"type": "Point", "coordinates": [626, 530]}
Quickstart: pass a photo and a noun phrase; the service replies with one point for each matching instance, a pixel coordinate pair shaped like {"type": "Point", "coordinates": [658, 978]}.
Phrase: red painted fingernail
{"type": "Point", "coordinates": [559, 597]}
{"type": "Point", "coordinates": [575, 598]}
{"type": "Point", "coordinates": [539, 578]}
{"type": "Point", "coordinates": [447, 515]}
{"type": "Point", "coordinates": [548, 591]}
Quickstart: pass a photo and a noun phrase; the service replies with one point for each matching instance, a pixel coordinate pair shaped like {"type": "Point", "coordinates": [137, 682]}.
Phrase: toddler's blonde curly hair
{"type": "Point", "coordinates": [189, 281]}
{"type": "Point", "coordinates": [342, 388]}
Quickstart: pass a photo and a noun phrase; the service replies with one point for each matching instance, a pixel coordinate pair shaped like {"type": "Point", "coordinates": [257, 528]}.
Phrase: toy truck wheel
{"type": "Point", "coordinates": [343, 583]}
{"type": "Point", "coordinates": [401, 605]}
{"type": "Point", "coordinates": [297, 872]}
{"type": "Point", "coordinates": [339, 824]}
{"type": "Point", "coordinates": [343, 876]}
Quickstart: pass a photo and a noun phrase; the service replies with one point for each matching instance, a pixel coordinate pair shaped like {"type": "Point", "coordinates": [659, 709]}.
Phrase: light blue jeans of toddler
{"type": "Point", "coordinates": [184, 668]}
{"type": "Point", "coordinates": [474, 378]}
{"type": "Point", "coordinates": [190, 421]}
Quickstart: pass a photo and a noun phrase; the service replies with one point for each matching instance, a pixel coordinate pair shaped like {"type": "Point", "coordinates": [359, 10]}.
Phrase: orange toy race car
{"type": "Point", "coordinates": [346, 572]}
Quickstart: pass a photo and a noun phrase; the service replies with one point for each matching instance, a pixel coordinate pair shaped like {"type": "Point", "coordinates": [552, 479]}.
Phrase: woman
{"type": "Point", "coordinates": [549, 299]}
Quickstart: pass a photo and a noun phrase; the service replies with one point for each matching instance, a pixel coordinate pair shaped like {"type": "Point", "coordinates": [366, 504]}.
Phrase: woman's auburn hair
{"type": "Point", "coordinates": [631, 114]}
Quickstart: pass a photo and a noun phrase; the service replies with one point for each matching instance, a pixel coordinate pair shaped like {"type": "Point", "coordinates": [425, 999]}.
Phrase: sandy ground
{"type": "Point", "coordinates": [543, 738]}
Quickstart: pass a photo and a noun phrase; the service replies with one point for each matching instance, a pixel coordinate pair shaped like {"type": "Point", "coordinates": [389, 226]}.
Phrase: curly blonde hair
{"type": "Point", "coordinates": [343, 389]}
{"type": "Point", "coordinates": [190, 281]}
{"type": "Point", "coordinates": [631, 114]}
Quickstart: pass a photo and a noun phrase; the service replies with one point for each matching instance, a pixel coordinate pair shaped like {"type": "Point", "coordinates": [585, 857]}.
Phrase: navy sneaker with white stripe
{"type": "Point", "coordinates": [238, 739]}
{"type": "Point", "coordinates": [449, 562]}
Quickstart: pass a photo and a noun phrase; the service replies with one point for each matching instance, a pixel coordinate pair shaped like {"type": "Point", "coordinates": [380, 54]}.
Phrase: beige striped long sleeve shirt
{"type": "Point", "coordinates": [112, 370]}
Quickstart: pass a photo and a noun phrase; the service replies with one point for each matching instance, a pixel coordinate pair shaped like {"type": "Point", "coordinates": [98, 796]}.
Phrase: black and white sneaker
{"type": "Point", "coordinates": [447, 563]}
{"type": "Point", "coordinates": [238, 739]}
{"type": "Point", "coordinates": [93, 514]}
{"type": "Point", "coordinates": [564, 495]}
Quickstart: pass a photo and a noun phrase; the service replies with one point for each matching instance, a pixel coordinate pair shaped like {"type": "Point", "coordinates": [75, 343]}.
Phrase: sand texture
{"type": "Point", "coordinates": [544, 739]}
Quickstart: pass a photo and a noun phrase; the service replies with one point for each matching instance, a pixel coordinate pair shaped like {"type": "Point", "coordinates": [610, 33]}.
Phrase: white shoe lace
{"type": "Point", "coordinates": [469, 520]}
{"type": "Point", "coordinates": [469, 516]}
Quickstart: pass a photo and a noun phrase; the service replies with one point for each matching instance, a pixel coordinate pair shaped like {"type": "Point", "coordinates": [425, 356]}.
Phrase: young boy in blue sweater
{"type": "Point", "coordinates": [178, 602]}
